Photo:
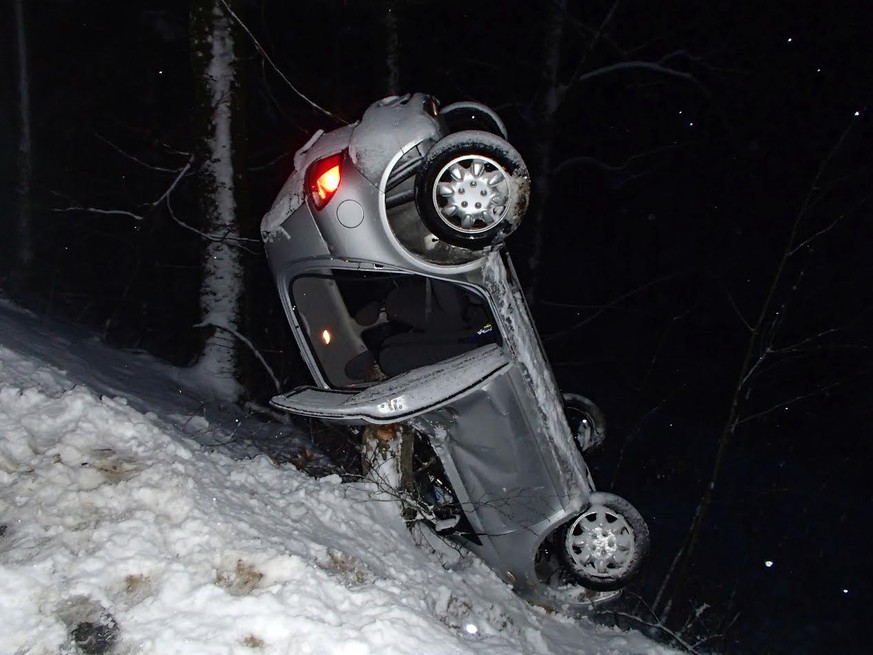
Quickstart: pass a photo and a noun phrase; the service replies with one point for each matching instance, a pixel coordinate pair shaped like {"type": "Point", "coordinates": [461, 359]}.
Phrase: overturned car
{"type": "Point", "coordinates": [387, 248]}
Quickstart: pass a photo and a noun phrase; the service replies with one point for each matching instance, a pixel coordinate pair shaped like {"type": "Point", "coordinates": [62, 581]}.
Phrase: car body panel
{"type": "Point", "coordinates": [391, 127]}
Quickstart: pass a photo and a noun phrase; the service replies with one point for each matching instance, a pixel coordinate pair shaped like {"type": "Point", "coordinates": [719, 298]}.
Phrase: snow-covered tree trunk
{"type": "Point", "coordinates": [386, 458]}
{"type": "Point", "coordinates": [24, 250]}
{"type": "Point", "coordinates": [215, 62]}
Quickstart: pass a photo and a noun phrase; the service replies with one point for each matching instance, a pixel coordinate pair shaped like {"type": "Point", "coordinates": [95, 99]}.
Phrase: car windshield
{"type": "Point", "coordinates": [365, 327]}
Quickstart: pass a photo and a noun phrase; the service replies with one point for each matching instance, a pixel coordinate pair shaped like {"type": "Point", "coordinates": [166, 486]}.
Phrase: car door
{"type": "Point", "coordinates": [403, 396]}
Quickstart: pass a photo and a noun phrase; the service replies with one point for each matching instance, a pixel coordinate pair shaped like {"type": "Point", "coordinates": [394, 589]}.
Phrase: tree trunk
{"type": "Point", "coordinates": [386, 459]}
{"type": "Point", "coordinates": [214, 41]}
{"type": "Point", "coordinates": [24, 249]}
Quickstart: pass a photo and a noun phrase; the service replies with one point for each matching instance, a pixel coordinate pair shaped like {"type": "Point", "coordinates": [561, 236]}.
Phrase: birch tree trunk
{"type": "Point", "coordinates": [214, 41]}
{"type": "Point", "coordinates": [24, 249]}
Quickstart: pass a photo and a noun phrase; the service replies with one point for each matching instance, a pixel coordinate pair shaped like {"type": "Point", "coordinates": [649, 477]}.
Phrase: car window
{"type": "Point", "coordinates": [365, 327]}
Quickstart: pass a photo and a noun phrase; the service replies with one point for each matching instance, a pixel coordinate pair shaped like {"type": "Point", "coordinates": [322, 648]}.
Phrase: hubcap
{"type": "Point", "coordinates": [471, 194]}
{"type": "Point", "coordinates": [600, 543]}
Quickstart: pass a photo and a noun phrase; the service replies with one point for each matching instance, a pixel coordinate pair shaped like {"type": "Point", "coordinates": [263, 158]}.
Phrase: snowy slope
{"type": "Point", "coordinates": [119, 529]}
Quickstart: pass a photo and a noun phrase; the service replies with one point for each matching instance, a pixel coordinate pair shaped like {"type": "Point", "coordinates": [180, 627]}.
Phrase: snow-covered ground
{"type": "Point", "coordinates": [132, 518]}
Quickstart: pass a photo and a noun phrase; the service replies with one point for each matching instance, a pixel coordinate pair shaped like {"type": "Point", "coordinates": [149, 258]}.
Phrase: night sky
{"type": "Point", "coordinates": [677, 181]}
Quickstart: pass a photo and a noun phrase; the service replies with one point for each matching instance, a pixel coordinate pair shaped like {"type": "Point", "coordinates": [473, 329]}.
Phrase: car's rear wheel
{"type": "Point", "coordinates": [605, 545]}
{"type": "Point", "coordinates": [472, 189]}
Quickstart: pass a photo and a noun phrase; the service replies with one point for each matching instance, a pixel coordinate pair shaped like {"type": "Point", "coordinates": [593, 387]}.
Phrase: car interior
{"type": "Point", "coordinates": [366, 327]}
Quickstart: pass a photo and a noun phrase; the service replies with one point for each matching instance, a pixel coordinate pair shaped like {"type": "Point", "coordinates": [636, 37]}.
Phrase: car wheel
{"type": "Point", "coordinates": [473, 116]}
{"type": "Point", "coordinates": [587, 422]}
{"type": "Point", "coordinates": [605, 545]}
{"type": "Point", "coordinates": [472, 189]}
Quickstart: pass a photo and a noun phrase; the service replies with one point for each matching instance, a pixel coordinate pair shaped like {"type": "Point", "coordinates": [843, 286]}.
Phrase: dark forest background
{"type": "Point", "coordinates": [707, 200]}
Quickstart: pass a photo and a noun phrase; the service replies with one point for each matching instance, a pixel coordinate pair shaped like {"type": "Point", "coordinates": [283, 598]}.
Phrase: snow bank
{"type": "Point", "coordinates": [122, 535]}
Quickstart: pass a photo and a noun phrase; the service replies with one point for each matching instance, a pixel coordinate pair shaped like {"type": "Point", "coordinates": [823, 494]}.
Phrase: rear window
{"type": "Point", "coordinates": [367, 327]}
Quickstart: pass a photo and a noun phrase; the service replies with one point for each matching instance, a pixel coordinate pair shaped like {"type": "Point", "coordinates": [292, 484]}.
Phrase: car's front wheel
{"type": "Point", "coordinates": [605, 545]}
{"type": "Point", "coordinates": [472, 189]}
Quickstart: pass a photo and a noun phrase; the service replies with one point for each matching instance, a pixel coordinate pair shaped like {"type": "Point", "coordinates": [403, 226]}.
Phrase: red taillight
{"type": "Point", "coordinates": [324, 180]}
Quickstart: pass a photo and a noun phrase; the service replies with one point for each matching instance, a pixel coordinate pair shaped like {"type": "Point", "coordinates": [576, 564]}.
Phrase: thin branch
{"type": "Point", "coordinates": [613, 168]}
{"type": "Point", "coordinates": [751, 370]}
{"type": "Point", "coordinates": [737, 309]}
{"type": "Point", "coordinates": [165, 198]}
{"type": "Point", "coordinates": [261, 167]}
{"type": "Point", "coordinates": [632, 435]}
{"type": "Point", "coordinates": [263, 52]}
{"type": "Point", "coordinates": [182, 172]}
{"type": "Point", "coordinates": [135, 159]}
{"type": "Point", "coordinates": [611, 304]}
{"type": "Point", "coordinates": [97, 210]}
{"type": "Point", "coordinates": [815, 236]}
{"type": "Point", "coordinates": [248, 344]}
{"type": "Point", "coordinates": [662, 628]}
{"type": "Point", "coordinates": [654, 67]}
{"type": "Point", "coordinates": [658, 624]}
{"type": "Point", "coordinates": [237, 241]}
{"type": "Point", "coordinates": [595, 39]}
{"type": "Point", "coordinates": [799, 344]}
{"type": "Point", "coordinates": [660, 68]}
{"type": "Point", "coordinates": [599, 34]}
{"type": "Point", "coordinates": [786, 403]}
{"type": "Point", "coordinates": [721, 635]}
{"type": "Point", "coordinates": [276, 104]}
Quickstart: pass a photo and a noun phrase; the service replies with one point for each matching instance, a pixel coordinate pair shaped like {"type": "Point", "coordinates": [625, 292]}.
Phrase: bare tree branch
{"type": "Point", "coordinates": [263, 52]}
{"type": "Point", "coordinates": [815, 236]}
{"type": "Point", "coordinates": [236, 241]}
{"type": "Point", "coordinates": [137, 160]}
{"type": "Point", "coordinates": [610, 305]}
{"type": "Point", "coordinates": [615, 168]}
{"type": "Point", "coordinates": [595, 39]}
{"type": "Point", "coordinates": [659, 625]}
{"type": "Point", "coordinates": [97, 210]}
{"type": "Point", "coordinates": [244, 340]}
{"type": "Point", "coordinates": [786, 403]}
{"type": "Point", "coordinates": [737, 310]}
{"type": "Point", "coordinates": [165, 198]}
{"type": "Point", "coordinates": [655, 67]}
{"type": "Point", "coordinates": [796, 346]}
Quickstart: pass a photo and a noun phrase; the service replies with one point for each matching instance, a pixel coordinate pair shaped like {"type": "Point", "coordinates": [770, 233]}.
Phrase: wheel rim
{"type": "Point", "coordinates": [471, 194]}
{"type": "Point", "coordinates": [600, 543]}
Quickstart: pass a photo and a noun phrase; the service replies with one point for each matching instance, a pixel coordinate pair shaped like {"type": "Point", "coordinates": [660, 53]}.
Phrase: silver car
{"type": "Point", "coordinates": [387, 247]}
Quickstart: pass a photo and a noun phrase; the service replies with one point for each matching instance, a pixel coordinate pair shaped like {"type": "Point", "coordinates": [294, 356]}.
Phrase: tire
{"type": "Point", "coordinates": [473, 116]}
{"type": "Point", "coordinates": [604, 546]}
{"type": "Point", "coordinates": [587, 422]}
{"type": "Point", "coordinates": [472, 189]}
